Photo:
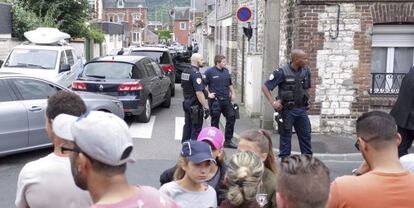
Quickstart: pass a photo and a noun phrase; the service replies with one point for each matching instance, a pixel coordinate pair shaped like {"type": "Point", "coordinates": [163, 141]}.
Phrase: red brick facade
{"type": "Point", "coordinates": [181, 36]}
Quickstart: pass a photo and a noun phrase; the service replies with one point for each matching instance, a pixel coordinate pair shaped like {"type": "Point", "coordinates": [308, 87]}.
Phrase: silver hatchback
{"type": "Point", "coordinates": [23, 101]}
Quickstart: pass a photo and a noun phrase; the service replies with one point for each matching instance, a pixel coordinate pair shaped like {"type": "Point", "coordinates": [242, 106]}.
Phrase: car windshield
{"type": "Point", "coordinates": [109, 70]}
{"type": "Point", "coordinates": [158, 56]}
{"type": "Point", "coordinates": [32, 58]}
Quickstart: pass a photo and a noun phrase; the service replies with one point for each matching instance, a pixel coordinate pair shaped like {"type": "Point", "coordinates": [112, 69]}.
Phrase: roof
{"type": "Point", "coordinates": [150, 49]}
{"type": "Point", "coordinates": [150, 34]}
{"type": "Point", "coordinates": [5, 19]}
{"type": "Point", "coordinates": [127, 3]}
{"type": "Point", "coordinates": [123, 58]}
{"type": "Point", "coordinates": [181, 13]}
{"type": "Point", "coordinates": [110, 27]}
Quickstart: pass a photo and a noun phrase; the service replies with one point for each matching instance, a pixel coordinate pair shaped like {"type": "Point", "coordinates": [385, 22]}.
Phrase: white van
{"type": "Point", "coordinates": [46, 55]}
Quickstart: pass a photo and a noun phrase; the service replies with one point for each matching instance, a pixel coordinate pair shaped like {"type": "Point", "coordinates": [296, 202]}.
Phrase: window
{"type": "Point", "coordinates": [183, 26]}
{"type": "Point", "coordinates": [69, 56]}
{"type": "Point", "coordinates": [135, 37]}
{"type": "Point", "coordinates": [32, 58]}
{"type": "Point", "coordinates": [34, 89]}
{"type": "Point", "coordinates": [121, 17]}
{"type": "Point", "coordinates": [111, 70]}
{"type": "Point", "coordinates": [392, 56]}
{"type": "Point", "coordinates": [110, 18]}
{"type": "Point", "coordinates": [62, 58]}
{"type": "Point", "coordinates": [157, 68]}
{"type": "Point", "coordinates": [120, 4]}
{"type": "Point", "coordinates": [158, 56]}
{"type": "Point", "coordinates": [4, 92]}
{"type": "Point", "coordinates": [149, 68]}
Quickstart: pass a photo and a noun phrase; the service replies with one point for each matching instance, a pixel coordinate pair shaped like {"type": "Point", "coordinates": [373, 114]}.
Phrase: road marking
{"type": "Point", "coordinates": [179, 124]}
{"type": "Point", "coordinates": [142, 130]}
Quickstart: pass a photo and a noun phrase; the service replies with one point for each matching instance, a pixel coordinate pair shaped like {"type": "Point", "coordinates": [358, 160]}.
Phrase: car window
{"type": "Point", "coordinates": [69, 56]}
{"type": "Point", "coordinates": [111, 70]}
{"type": "Point", "coordinates": [4, 92]}
{"type": "Point", "coordinates": [34, 89]}
{"type": "Point", "coordinates": [156, 67]}
{"type": "Point", "coordinates": [32, 58]}
{"type": "Point", "coordinates": [158, 56]}
{"type": "Point", "coordinates": [149, 68]}
{"type": "Point", "coordinates": [62, 58]}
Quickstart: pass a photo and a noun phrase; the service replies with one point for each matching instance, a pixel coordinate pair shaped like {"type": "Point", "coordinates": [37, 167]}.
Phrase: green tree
{"type": "Point", "coordinates": [164, 34]}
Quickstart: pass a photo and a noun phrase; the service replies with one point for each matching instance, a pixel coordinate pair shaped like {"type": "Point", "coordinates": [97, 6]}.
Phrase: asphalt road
{"type": "Point", "coordinates": [157, 147]}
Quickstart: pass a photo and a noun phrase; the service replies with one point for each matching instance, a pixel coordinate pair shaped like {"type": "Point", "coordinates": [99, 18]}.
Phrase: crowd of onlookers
{"type": "Point", "coordinates": [92, 150]}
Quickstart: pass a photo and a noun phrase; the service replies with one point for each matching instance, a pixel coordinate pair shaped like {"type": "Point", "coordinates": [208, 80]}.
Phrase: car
{"type": "Point", "coordinates": [160, 55]}
{"type": "Point", "coordinates": [23, 101]}
{"type": "Point", "coordinates": [46, 55]}
{"type": "Point", "coordinates": [137, 81]}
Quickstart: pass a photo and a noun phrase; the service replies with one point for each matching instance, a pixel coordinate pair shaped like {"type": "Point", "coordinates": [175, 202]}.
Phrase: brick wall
{"type": "Point", "coordinates": [181, 35]}
{"type": "Point", "coordinates": [341, 66]}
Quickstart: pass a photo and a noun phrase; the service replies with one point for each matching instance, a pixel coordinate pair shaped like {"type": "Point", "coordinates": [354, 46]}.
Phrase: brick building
{"type": "Point", "coordinates": [358, 52]}
{"type": "Point", "coordinates": [226, 33]}
{"type": "Point", "coordinates": [133, 13]}
{"type": "Point", "coordinates": [181, 24]}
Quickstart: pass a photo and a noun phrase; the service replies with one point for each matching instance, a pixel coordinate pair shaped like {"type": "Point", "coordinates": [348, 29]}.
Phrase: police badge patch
{"type": "Point", "coordinates": [185, 76]}
{"type": "Point", "coordinates": [198, 80]}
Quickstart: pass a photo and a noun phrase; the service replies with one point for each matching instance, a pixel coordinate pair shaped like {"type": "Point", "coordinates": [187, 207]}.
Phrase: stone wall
{"type": "Point", "coordinates": [340, 62]}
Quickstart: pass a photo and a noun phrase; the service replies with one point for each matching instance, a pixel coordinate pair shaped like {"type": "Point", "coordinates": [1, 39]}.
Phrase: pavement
{"type": "Point", "coordinates": [325, 147]}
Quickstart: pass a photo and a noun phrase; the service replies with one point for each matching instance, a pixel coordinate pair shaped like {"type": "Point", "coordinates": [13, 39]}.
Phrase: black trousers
{"type": "Point", "coordinates": [226, 108]}
{"type": "Point", "coordinates": [191, 128]}
{"type": "Point", "coordinates": [407, 137]}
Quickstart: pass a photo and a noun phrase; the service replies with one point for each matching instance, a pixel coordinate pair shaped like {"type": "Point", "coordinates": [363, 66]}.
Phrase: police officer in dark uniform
{"type": "Point", "coordinates": [221, 94]}
{"type": "Point", "coordinates": [293, 81]}
{"type": "Point", "coordinates": [195, 104]}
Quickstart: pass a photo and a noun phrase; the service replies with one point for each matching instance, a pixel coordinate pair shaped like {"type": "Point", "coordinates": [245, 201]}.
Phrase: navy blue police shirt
{"type": "Point", "coordinates": [197, 81]}
{"type": "Point", "coordinates": [218, 81]}
{"type": "Point", "coordinates": [278, 77]}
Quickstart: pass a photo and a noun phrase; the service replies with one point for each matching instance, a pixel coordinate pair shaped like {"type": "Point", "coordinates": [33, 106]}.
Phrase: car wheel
{"type": "Point", "coordinates": [146, 114]}
{"type": "Point", "coordinates": [172, 90]}
{"type": "Point", "coordinates": [167, 101]}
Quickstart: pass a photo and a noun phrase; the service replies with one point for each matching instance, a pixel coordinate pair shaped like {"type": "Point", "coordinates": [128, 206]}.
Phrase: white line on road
{"type": "Point", "coordinates": [179, 124]}
{"type": "Point", "coordinates": [142, 130]}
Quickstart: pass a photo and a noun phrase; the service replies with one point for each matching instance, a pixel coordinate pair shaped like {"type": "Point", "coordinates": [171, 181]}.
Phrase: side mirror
{"type": "Point", "coordinates": [64, 68]}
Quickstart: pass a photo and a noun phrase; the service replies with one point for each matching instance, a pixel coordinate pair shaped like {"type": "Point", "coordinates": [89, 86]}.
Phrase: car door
{"type": "Point", "coordinates": [14, 122]}
{"type": "Point", "coordinates": [164, 82]}
{"type": "Point", "coordinates": [75, 65]}
{"type": "Point", "coordinates": [34, 94]}
{"type": "Point", "coordinates": [154, 82]}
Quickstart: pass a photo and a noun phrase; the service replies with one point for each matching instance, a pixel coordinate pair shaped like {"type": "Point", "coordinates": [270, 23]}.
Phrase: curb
{"type": "Point", "coordinates": [350, 157]}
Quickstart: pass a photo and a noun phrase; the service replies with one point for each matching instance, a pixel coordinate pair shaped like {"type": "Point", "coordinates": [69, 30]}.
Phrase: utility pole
{"type": "Point", "coordinates": [270, 55]}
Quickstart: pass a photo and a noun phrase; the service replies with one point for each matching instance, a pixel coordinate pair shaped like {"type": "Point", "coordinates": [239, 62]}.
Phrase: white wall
{"type": "Point", "coordinates": [252, 84]}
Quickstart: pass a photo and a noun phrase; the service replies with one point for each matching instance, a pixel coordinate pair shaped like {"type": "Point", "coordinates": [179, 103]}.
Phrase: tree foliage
{"type": "Point", "coordinates": [164, 34]}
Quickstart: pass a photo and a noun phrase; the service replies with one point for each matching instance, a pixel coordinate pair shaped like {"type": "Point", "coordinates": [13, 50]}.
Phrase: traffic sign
{"type": "Point", "coordinates": [244, 14]}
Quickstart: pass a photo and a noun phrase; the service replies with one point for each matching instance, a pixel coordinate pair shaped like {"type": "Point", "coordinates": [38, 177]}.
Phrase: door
{"type": "Point", "coordinates": [14, 123]}
{"type": "Point", "coordinates": [74, 66]}
{"type": "Point", "coordinates": [164, 81]}
{"type": "Point", "coordinates": [63, 76]}
{"type": "Point", "coordinates": [34, 94]}
{"type": "Point", "coordinates": [153, 81]}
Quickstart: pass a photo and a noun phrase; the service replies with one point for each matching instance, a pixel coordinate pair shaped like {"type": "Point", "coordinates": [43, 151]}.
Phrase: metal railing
{"type": "Point", "coordinates": [386, 83]}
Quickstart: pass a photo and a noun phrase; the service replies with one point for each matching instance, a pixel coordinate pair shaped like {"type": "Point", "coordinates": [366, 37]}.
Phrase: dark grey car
{"type": "Point", "coordinates": [23, 102]}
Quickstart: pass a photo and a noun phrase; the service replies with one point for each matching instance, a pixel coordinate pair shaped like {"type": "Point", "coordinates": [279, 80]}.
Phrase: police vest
{"type": "Point", "coordinates": [187, 82]}
{"type": "Point", "coordinates": [292, 91]}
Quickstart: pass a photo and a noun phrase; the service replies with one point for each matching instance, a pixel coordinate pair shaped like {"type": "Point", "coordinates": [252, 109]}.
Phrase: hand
{"type": "Point", "coordinates": [206, 113]}
{"type": "Point", "coordinates": [277, 105]}
{"type": "Point", "coordinates": [211, 95]}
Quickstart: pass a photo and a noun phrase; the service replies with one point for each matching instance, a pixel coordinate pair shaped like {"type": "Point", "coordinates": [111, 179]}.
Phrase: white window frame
{"type": "Point", "coordinates": [135, 37]}
{"type": "Point", "coordinates": [391, 37]}
{"type": "Point", "coordinates": [120, 4]}
{"type": "Point", "coordinates": [183, 25]}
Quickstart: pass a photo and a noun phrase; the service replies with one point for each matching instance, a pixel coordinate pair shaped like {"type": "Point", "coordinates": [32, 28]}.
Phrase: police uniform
{"type": "Point", "coordinates": [219, 82]}
{"type": "Point", "coordinates": [191, 82]}
{"type": "Point", "coordinates": [293, 93]}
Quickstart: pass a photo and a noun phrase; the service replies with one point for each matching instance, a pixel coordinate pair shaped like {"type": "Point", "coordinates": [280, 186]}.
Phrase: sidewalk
{"type": "Point", "coordinates": [327, 147]}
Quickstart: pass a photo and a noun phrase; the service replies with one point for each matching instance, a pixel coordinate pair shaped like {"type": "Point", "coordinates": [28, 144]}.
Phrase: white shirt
{"type": "Point", "coordinates": [48, 182]}
{"type": "Point", "coordinates": [407, 162]}
{"type": "Point", "coordinates": [190, 199]}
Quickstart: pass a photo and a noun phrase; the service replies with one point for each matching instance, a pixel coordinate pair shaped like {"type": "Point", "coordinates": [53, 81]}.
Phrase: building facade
{"type": "Point", "coordinates": [359, 52]}
{"type": "Point", "coordinates": [181, 25]}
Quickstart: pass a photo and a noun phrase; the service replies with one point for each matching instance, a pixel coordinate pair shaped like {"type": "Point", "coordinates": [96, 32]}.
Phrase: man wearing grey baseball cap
{"type": "Point", "coordinates": [102, 147]}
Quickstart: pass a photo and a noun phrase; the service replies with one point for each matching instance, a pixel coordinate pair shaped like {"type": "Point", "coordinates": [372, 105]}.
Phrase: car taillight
{"type": "Point", "coordinates": [131, 86]}
{"type": "Point", "coordinates": [169, 68]}
{"type": "Point", "coordinates": [76, 85]}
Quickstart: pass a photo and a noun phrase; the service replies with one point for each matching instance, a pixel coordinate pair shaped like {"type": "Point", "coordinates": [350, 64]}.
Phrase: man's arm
{"type": "Point", "coordinates": [201, 98]}
{"type": "Point", "coordinates": [276, 104]}
{"type": "Point", "coordinates": [232, 93]}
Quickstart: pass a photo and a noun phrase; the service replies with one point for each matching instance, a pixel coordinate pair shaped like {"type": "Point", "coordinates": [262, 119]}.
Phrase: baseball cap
{"type": "Point", "coordinates": [102, 136]}
{"type": "Point", "coordinates": [213, 135]}
{"type": "Point", "coordinates": [196, 151]}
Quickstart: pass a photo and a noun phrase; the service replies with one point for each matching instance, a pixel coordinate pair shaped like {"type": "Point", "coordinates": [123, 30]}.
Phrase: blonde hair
{"type": "Point", "coordinates": [264, 142]}
{"type": "Point", "coordinates": [244, 173]}
{"type": "Point", "coordinates": [179, 171]}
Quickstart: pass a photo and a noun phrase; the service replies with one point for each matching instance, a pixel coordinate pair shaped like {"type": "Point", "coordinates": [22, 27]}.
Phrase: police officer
{"type": "Point", "coordinates": [293, 81]}
{"type": "Point", "coordinates": [221, 94]}
{"type": "Point", "coordinates": [195, 104]}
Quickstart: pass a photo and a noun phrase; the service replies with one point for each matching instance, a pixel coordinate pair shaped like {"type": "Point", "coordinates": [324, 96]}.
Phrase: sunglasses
{"type": "Point", "coordinates": [365, 140]}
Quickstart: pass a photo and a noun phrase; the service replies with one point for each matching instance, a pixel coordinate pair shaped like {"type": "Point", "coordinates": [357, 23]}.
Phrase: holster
{"type": "Point", "coordinates": [236, 111]}
{"type": "Point", "coordinates": [196, 113]}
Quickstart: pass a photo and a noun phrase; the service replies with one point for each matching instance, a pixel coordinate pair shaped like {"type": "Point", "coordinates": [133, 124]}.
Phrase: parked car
{"type": "Point", "coordinates": [137, 81]}
{"type": "Point", "coordinates": [160, 55]}
{"type": "Point", "coordinates": [23, 101]}
{"type": "Point", "coordinates": [46, 55]}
